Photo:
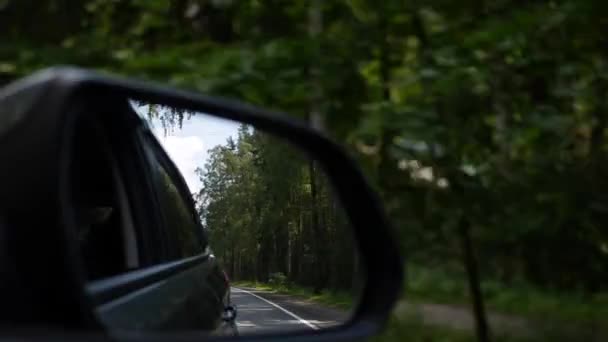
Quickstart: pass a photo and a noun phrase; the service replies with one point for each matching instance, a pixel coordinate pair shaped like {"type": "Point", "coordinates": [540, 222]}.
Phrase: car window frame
{"type": "Point", "coordinates": [131, 182]}
{"type": "Point", "coordinates": [145, 213]}
{"type": "Point", "coordinates": [155, 151]}
{"type": "Point", "coordinates": [132, 158]}
{"type": "Point", "coordinates": [126, 147]}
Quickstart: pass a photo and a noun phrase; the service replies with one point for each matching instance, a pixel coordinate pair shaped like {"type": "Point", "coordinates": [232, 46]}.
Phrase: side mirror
{"type": "Point", "coordinates": [99, 233]}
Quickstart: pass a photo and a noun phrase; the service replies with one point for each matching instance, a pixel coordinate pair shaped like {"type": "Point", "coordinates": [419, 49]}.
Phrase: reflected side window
{"type": "Point", "coordinates": [183, 229]}
{"type": "Point", "coordinates": [104, 229]}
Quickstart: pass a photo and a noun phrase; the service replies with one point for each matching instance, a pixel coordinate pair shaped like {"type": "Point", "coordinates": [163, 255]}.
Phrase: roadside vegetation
{"type": "Point", "coordinates": [412, 329]}
{"type": "Point", "coordinates": [341, 300]}
{"type": "Point", "coordinates": [427, 285]}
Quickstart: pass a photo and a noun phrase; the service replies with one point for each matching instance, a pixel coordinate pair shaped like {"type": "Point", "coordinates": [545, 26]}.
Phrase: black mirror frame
{"type": "Point", "coordinates": [380, 255]}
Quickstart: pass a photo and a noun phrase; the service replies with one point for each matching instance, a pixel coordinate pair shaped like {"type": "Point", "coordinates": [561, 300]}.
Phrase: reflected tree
{"type": "Point", "coordinates": [268, 214]}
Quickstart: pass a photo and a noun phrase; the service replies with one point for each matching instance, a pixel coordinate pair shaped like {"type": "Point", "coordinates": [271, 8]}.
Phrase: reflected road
{"type": "Point", "coordinates": [265, 312]}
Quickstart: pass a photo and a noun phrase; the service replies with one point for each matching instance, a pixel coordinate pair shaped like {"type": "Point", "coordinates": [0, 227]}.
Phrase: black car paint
{"type": "Point", "coordinates": [187, 300]}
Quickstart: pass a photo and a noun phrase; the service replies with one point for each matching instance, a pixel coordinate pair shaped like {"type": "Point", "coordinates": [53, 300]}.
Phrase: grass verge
{"type": "Point", "coordinates": [336, 299]}
{"type": "Point", "coordinates": [438, 286]}
{"type": "Point", "coordinates": [411, 328]}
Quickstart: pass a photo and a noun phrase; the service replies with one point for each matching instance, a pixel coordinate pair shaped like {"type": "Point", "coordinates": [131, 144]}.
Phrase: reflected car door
{"type": "Point", "coordinates": [181, 286]}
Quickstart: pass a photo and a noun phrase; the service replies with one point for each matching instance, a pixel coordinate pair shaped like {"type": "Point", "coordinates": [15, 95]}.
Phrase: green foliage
{"type": "Point", "coordinates": [277, 279]}
{"type": "Point", "coordinates": [491, 110]}
{"type": "Point", "coordinates": [270, 215]}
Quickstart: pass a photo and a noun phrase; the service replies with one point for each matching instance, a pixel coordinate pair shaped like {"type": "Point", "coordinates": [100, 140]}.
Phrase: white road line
{"type": "Point", "coordinates": [303, 321]}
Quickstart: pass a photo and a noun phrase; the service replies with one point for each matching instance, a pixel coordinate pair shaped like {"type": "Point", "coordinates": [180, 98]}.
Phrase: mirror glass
{"type": "Point", "coordinates": [236, 232]}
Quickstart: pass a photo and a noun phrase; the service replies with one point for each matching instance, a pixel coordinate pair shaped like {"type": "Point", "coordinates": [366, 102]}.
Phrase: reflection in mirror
{"type": "Point", "coordinates": [283, 248]}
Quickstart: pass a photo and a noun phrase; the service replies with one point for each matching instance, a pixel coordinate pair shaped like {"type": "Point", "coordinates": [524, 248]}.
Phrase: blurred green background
{"type": "Point", "coordinates": [487, 112]}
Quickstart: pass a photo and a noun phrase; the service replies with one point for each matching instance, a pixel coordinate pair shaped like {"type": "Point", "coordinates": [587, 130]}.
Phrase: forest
{"type": "Point", "coordinates": [482, 124]}
{"type": "Point", "coordinates": [271, 215]}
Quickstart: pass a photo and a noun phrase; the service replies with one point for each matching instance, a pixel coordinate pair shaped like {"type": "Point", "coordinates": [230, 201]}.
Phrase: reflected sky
{"type": "Point", "coordinates": [188, 147]}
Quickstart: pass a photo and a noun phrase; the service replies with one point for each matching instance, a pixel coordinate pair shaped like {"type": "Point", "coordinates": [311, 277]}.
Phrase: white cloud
{"type": "Point", "coordinates": [187, 153]}
{"type": "Point", "coordinates": [187, 146]}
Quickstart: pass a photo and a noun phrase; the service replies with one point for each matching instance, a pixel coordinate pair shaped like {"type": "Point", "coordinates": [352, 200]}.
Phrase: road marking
{"type": "Point", "coordinates": [300, 319]}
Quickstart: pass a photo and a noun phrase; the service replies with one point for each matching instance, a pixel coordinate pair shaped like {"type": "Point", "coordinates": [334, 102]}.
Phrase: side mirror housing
{"type": "Point", "coordinates": [38, 115]}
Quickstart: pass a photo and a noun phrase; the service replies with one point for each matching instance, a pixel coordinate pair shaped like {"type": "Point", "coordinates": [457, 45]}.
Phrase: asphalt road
{"type": "Point", "coordinates": [265, 312]}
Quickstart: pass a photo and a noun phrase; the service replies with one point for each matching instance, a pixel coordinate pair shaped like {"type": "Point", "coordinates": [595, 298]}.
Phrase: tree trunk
{"type": "Point", "coordinates": [300, 248]}
{"type": "Point", "coordinates": [315, 28]}
{"type": "Point", "coordinates": [318, 237]}
{"type": "Point", "coordinates": [232, 260]}
{"type": "Point", "coordinates": [470, 262]}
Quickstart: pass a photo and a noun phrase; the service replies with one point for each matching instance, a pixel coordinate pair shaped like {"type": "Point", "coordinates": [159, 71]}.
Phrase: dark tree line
{"type": "Point", "coordinates": [270, 212]}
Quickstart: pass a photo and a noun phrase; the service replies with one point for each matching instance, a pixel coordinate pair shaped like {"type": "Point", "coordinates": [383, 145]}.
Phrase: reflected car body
{"type": "Point", "coordinates": [166, 278]}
